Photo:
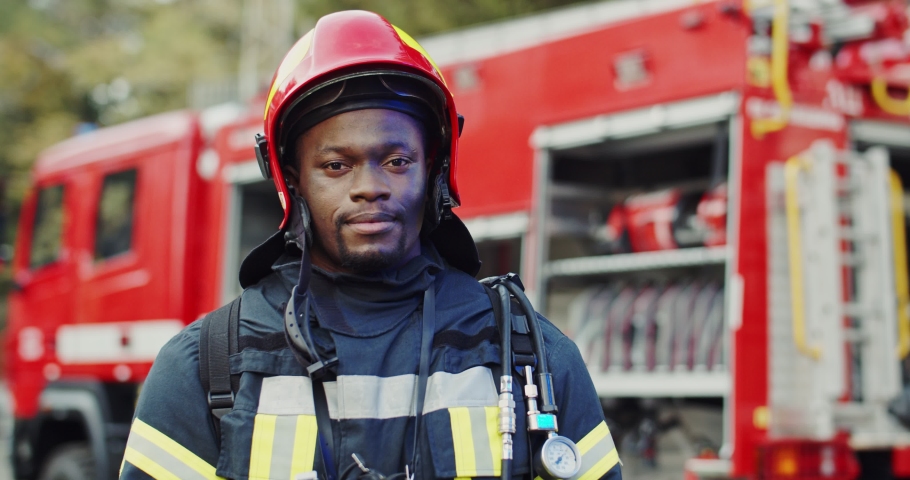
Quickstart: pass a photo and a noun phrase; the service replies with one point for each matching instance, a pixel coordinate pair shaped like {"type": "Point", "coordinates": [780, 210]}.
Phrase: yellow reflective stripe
{"type": "Point", "coordinates": [283, 446]}
{"type": "Point", "coordinates": [476, 441]}
{"type": "Point", "coordinates": [465, 463]}
{"type": "Point", "coordinates": [495, 438]}
{"type": "Point", "coordinates": [261, 448]}
{"type": "Point", "coordinates": [146, 464]}
{"type": "Point", "coordinates": [602, 466]}
{"type": "Point", "coordinates": [304, 445]}
{"type": "Point", "coordinates": [173, 448]}
{"type": "Point", "coordinates": [594, 436]}
{"type": "Point", "coordinates": [598, 453]}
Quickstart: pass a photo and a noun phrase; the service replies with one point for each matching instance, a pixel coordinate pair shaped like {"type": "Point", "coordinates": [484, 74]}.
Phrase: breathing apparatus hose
{"type": "Point", "coordinates": [530, 315]}
{"type": "Point", "coordinates": [506, 329]}
{"type": "Point", "coordinates": [544, 379]}
{"type": "Point", "coordinates": [506, 400]}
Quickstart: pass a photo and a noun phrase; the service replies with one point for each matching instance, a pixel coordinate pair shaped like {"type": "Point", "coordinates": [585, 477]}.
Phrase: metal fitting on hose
{"type": "Point", "coordinates": [507, 446]}
{"type": "Point", "coordinates": [507, 419]}
{"type": "Point", "coordinates": [506, 414]}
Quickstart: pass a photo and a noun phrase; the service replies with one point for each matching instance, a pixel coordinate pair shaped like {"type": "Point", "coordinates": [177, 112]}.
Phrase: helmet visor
{"type": "Point", "coordinates": [402, 92]}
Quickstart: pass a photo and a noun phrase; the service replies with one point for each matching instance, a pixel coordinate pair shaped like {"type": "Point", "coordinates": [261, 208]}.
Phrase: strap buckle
{"type": "Point", "coordinates": [320, 368]}
{"type": "Point", "coordinates": [221, 403]}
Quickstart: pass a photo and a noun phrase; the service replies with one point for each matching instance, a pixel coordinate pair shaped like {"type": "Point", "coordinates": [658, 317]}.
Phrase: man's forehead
{"type": "Point", "coordinates": [369, 127]}
{"type": "Point", "coordinates": [388, 145]}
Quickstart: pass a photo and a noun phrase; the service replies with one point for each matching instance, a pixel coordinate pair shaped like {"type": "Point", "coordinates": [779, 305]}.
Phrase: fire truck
{"type": "Point", "coordinates": [706, 196]}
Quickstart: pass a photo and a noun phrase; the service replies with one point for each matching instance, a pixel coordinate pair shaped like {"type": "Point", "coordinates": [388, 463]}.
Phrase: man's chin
{"type": "Point", "coordinates": [369, 261]}
{"type": "Point", "coordinates": [371, 254]}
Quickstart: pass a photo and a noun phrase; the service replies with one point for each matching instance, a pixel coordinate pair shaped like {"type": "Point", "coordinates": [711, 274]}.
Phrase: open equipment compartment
{"type": "Point", "coordinates": [630, 235]}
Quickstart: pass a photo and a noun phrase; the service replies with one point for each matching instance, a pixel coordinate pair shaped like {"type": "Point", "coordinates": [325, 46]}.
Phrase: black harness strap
{"type": "Point", "coordinates": [522, 348]}
{"type": "Point", "coordinates": [218, 340]}
{"type": "Point", "coordinates": [326, 436]}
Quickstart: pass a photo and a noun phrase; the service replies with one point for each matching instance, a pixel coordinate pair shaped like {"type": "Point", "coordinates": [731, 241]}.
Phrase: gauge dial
{"type": "Point", "coordinates": [558, 459]}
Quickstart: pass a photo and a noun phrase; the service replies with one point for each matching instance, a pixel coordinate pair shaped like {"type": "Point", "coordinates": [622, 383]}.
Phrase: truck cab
{"type": "Point", "coordinates": [105, 273]}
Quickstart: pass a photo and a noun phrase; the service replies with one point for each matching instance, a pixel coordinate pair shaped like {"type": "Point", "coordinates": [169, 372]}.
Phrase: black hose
{"type": "Point", "coordinates": [533, 326]}
{"type": "Point", "coordinates": [347, 471]}
{"type": "Point", "coordinates": [506, 333]}
{"type": "Point", "coordinates": [506, 329]}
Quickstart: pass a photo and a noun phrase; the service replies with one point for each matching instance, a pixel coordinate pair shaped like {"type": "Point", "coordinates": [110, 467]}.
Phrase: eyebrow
{"type": "Point", "coordinates": [391, 145]}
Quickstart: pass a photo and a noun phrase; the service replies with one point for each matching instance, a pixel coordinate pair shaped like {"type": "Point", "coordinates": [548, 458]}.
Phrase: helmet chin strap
{"type": "Point", "coordinates": [440, 207]}
{"type": "Point", "coordinates": [300, 233]}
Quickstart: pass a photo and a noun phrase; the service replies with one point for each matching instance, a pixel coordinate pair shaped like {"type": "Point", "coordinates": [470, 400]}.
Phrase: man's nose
{"type": "Point", "coordinates": [371, 183]}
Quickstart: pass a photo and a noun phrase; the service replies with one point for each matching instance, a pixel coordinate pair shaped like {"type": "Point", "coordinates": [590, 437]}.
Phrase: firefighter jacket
{"type": "Point", "coordinates": [271, 433]}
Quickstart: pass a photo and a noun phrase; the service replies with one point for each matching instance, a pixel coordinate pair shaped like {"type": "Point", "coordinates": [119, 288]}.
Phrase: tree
{"type": "Point", "coordinates": [71, 65]}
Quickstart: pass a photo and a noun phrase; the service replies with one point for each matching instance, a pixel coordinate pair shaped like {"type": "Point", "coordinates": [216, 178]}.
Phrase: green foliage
{"type": "Point", "coordinates": [66, 63]}
{"type": "Point", "coordinates": [70, 63]}
{"type": "Point", "coordinates": [423, 17]}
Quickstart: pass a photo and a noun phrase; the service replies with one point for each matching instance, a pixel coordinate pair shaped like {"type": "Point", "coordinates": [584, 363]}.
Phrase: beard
{"type": "Point", "coordinates": [369, 261]}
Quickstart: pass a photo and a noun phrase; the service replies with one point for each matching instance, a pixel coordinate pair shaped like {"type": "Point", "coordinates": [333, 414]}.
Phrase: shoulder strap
{"type": "Point", "coordinates": [497, 307]}
{"type": "Point", "coordinates": [218, 340]}
{"type": "Point", "coordinates": [523, 353]}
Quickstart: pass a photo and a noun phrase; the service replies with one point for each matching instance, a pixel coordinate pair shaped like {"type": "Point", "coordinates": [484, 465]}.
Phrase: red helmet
{"type": "Point", "coordinates": [346, 47]}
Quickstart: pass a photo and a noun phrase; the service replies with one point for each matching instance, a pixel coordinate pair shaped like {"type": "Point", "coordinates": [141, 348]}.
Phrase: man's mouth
{"type": "Point", "coordinates": [372, 223]}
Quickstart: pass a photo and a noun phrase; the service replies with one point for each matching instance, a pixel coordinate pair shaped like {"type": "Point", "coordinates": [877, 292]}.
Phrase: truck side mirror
{"type": "Point", "coordinates": [6, 250]}
{"type": "Point", "coordinates": [6, 255]}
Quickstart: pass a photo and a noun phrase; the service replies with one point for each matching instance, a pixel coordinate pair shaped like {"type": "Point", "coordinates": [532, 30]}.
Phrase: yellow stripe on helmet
{"type": "Point", "coordinates": [290, 62]}
{"type": "Point", "coordinates": [416, 46]}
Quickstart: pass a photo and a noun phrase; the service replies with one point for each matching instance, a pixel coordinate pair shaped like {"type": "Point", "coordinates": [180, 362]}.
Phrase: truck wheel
{"type": "Point", "coordinates": [70, 461]}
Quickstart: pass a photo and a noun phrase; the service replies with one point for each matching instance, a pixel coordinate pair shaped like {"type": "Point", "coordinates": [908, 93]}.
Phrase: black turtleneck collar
{"type": "Point", "coordinates": [367, 305]}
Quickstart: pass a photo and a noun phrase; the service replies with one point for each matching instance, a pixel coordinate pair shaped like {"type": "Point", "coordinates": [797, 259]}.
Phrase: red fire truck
{"type": "Point", "coordinates": [705, 195]}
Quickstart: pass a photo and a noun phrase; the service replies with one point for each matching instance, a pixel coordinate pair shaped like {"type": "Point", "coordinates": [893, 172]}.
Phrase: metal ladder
{"type": "Point", "coordinates": [837, 257]}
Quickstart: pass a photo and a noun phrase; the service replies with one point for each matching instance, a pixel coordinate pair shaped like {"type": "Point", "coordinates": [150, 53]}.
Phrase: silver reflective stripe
{"type": "Point", "coordinates": [600, 450]}
{"type": "Point", "coordinates": [286, 395]}
{"type": "Point", "coordinates": [366, 396]}
{"type": "Point", "coordinates": [372, 397]}
{"type": "Point", "coordinates": [476, 441]}
{"type": "Point", "coordinates": [595, 448]}
{"type": "Point", "coordinates": [473, 387]}
{"type": "Point", "coordinates": [283, 445]}
{"type": "Point", "coordinates": [482, 454]}
{"type": "Point", "coordinates": [162, 458]}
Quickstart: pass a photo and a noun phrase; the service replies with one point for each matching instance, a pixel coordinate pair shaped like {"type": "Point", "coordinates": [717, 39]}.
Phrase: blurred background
{"type": "Point", "coordinates": [706, 196]}
{"type": "Point", "coordinates": [71, 66]}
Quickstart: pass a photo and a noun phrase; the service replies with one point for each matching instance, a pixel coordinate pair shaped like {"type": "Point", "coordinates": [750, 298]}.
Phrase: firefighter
{"type": "Point", "coordinates": [366, 347]}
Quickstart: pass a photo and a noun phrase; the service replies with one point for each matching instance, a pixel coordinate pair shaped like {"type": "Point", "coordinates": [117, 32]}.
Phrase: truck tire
{"type": "Point", "coordinates": [70, 461]}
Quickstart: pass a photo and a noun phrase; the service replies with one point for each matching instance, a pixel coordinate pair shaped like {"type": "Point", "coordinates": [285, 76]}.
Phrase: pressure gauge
{"type": "Point", "coordinates": [558, 459]}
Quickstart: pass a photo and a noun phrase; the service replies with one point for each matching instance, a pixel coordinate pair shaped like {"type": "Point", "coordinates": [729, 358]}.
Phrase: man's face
{"type": "Point", "coordinates": [363, 175]}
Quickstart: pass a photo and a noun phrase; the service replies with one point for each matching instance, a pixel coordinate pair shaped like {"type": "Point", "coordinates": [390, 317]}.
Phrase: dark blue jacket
{"type": "Point", "coordinates": [271, 432]}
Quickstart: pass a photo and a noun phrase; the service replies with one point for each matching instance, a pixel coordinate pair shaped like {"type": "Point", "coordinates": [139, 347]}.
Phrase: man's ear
{"type": "Point", "coordinates": [291, 175]}
{"type": "Point", "coordinates": [430, 160]}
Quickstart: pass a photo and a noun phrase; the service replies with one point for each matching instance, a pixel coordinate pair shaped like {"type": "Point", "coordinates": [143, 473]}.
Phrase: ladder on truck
{"type": "Point", "coordinates": [838, 319]}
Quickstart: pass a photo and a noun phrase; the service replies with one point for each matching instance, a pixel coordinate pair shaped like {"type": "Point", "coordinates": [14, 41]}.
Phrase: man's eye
{"type": "Point", "coordinates": [399, 162]}
{"type": "Point", "coordinates": [334, 165]}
